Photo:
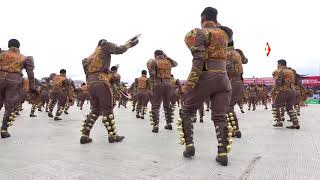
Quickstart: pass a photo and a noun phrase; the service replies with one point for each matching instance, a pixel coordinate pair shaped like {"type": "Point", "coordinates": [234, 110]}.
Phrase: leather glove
{"type": "Point", "coordinates": [131, 43]}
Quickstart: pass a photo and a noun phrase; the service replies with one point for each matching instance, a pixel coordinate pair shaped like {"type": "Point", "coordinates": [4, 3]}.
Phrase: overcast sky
{"type": "Point", "coordinates": [60, 33]}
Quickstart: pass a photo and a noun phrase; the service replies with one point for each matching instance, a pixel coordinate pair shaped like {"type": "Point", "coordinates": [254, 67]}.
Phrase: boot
{"type": "Point", "coordinates": [50, 114]}
{"type": "Point", "coordinates": [297, 108]}
{"type": "Point", "coordinates": [33, 109]}
{"type": "Point", "coordinates": [276, 112]}
{"type": "Point", "coordinates": [224, 135]}
{"type": "Point", "coordinates": [201, 119]}
{"type": "Point", "coordinates": [293, 117]}
{"type": "Point", "coordinates": [57, 118]}
{"type": "Point", "coordinates": [85, 140]}
{"type": "Point", "coordinates": [168, 114]}
{"type": "Point", "coordinates": [185, 130]}
{"type": "Point", "coordinates": [5, 133]}
{"type": "Point", "coordinates": [168, 127]}
{"type": "Point", "coordinates": [137, 115]}
{"type": "Point", "coordinates": [58, 114]}
{"type": "Point", "coordinates": [47, 108]}
{"type": "Point", "coordinates": [66, 108]}
{"type": "Point", "coordinates": [189, 151]}
{"type": "Point", "coordinates": [142, 113]}
{"type": "Point", "coordinates": [154, 118]}
{"type": "Point", "coordinates": [233, 121]}
{"type": "Point", "coordinates": [110, 125]}
{"type": "Point", "coordinates": [278, 124]}
{"type": "Point", "coordinates": [115, 139]}
{"type": "Point", "coordinates": [51, 106]}
{"type": "Point", "coordinates": [86, 128]}
{"type": "Point", "coordinates": [155, 129]}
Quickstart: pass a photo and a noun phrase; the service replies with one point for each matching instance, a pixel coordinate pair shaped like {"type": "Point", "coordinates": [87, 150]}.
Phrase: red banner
{"type": "Point", "coordinates": [311, 81]}
{"type": "Point", "coordinates": [307, 81]}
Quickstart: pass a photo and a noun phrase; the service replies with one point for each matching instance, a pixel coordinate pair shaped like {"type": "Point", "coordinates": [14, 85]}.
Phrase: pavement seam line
{"type": "Point", "coordinates": [246, 173]}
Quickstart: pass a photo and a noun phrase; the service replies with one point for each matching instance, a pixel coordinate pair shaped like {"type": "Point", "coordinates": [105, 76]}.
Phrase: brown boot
{"type": "Point", "coordinates": [116, 138]}
{"type": "Point", "coordinates": [185, 129]}
{"type": "Point", "coordinates": [86, 128]}
{"type": "Point", "coordinates": [224, 135]}
{"type": "Point", "coordinates": [5, 133]}
{"type": "Point", "coordinates": [85, 139]}
{"type": "Point", "coordinates": [293, 117]}
{"type": "Point", "coordinates": [189, 151]}
{"type": "Point", "coordinates": [110, 125]}
{"type": "Point", "coordinates": [155, 129]}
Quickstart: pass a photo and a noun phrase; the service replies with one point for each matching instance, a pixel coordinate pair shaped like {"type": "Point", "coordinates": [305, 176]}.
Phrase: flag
{"type": "Point", "coordinates": [267, 49]}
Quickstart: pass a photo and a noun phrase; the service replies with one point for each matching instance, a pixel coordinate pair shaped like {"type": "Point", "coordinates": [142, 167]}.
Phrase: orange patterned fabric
{"type": "Point", "coordinates": [94, 62]}
{"type": "Point", "coordinates": [11, 61]}
{"type": "Point", "coordinates": [218, 43]}
{"type": "Point", "coordinates": [57, 81]}
{"type": "Point", "coordinates": [142, 82]}
{"type": "Point", "coordinates": [235, 59]}
{"type": "Point", "coordinates": [164, 67]}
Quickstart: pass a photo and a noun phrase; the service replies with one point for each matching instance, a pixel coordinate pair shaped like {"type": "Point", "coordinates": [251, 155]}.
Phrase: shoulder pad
{"type": "Point", "coordinates": [196, 38]}
{"type": "Point", "coordinates": [227, 30]}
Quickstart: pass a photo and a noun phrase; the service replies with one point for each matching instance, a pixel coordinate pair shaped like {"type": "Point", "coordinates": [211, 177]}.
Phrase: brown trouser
{"type": "Point", "coordinates": [217, 87]}
{"type": "Point", "coordinates": [142, 100]}
{"type": "Point", "coordinates": [82, 97]}
{"type": "Point", "coordinates": [161, 93]}
{"type": "Point", "coordinates": [134, 101]}
{"type": "Point", "coordinates": [44, 97]}
{"type": "Point", "coordinates": [237, 90]}
{"type": "Point", "coordinates": [174, 97]}
{"type": "Point", "coordinates": [57, 96]}
{"type": "Point", "coordinates": [101, 104]}
{"type": "Point", "coordinates": [10, 98]}
{"type": "Point", "coordinates": [252, 101]}
{"type": "Point", "coordinates": [101, 98]}
{"type": "Point", "coordinates": [285, 98]}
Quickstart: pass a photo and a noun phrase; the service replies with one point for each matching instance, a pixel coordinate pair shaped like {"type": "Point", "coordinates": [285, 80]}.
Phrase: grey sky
{"type": "Point", "coordinates": [60, 33]}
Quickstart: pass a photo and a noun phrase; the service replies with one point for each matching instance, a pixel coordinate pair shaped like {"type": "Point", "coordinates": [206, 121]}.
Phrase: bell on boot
{"type": "Point", "coordinates": [237, 134]}
{"type": "Point", "coordinates": [155, 129]}
{"type": "Point", "coordinates": [189, 151]}
{"type": "Point", "coordinates": [116, 138]}
{"type": "Point", "coordinates": [50, 114]}
{"type": "Point", "coordinates": [278, 124]}
{"type": "Point", "coordinates": [293, 127]}
{"type": "Point", "coordinates": [33, 115]}
{"type": "Point", "coordinates": [5, 134]}
{"type": "Point", "coordinates": [201, 120]}
{"type": "Point", "coordinates": [85, 140]}
{"type": "Point", "coordinates": [222, 159]}
{"type": "Point", "coordinates": [168, 127]}
{"type": "Point", "coordinates": [57, 118]}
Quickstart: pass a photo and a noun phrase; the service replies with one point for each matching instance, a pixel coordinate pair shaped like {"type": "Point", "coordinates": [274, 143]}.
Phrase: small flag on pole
{"type": "Point", "coordinates": [267, 49]}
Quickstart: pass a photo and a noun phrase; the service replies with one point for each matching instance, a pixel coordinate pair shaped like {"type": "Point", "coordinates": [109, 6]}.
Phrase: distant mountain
{"type": "Point", "coordinates": [78, 83]}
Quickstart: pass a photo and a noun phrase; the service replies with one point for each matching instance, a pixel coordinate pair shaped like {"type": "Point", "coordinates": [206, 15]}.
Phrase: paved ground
{"type": "Point", "coordinates": [42, 149]}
